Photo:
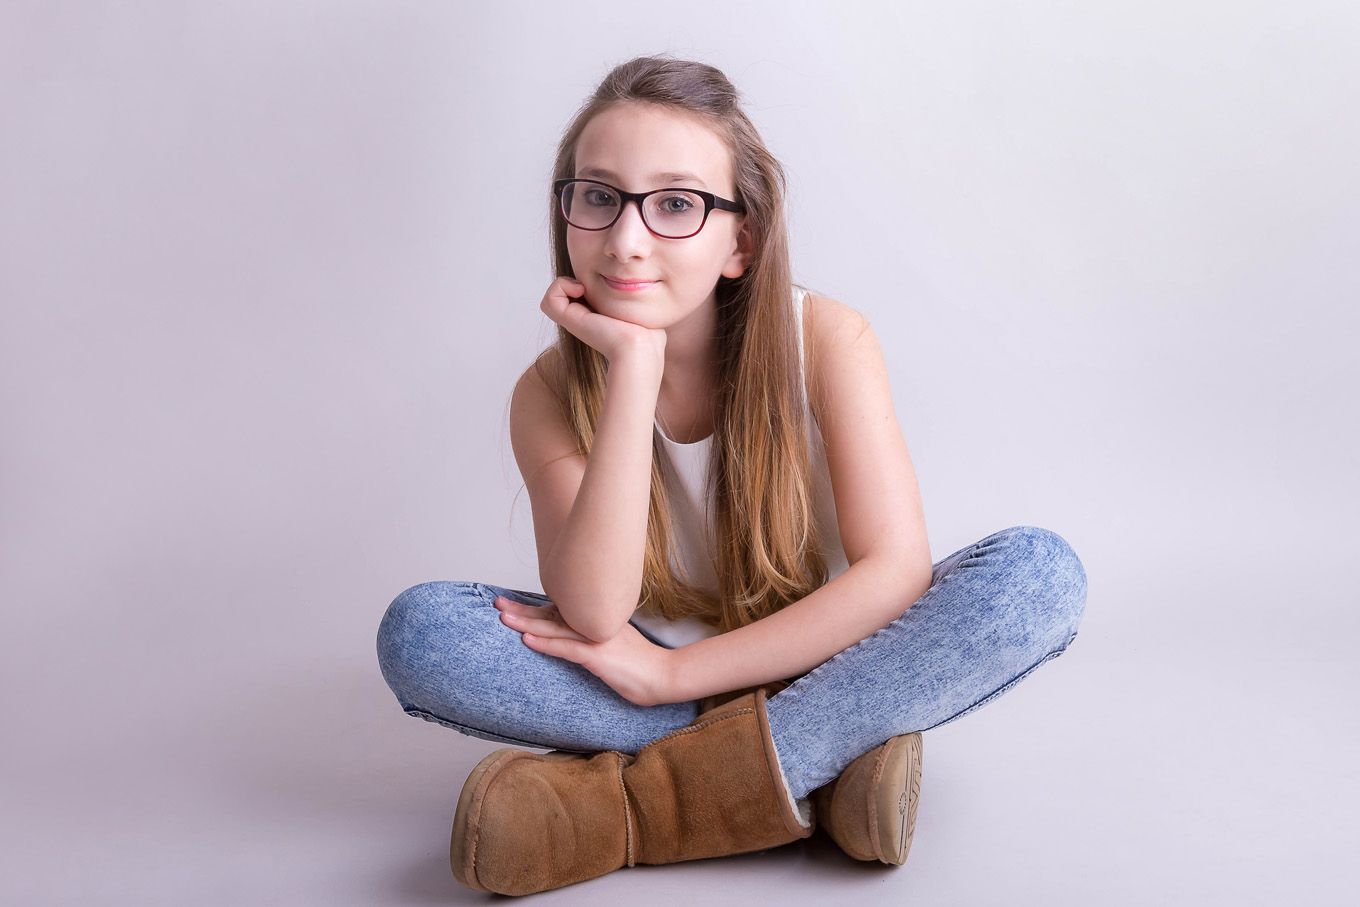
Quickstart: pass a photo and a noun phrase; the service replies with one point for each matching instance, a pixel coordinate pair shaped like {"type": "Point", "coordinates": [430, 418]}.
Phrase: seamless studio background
{"type": "Point", "coordinates": [268, 272]}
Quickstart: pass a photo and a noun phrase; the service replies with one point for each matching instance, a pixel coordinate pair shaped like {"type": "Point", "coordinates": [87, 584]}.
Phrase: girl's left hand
{"type": "Point", "coordinates": [635, 667]}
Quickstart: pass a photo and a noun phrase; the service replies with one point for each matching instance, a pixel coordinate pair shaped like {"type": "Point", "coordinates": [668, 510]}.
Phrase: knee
{"type": "Point", "coordinates": [1050, 563]}
{"type": "Point", "coordinates": [418, 629]}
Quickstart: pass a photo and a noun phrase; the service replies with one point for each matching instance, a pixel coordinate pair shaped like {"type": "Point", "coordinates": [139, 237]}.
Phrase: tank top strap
{"type": "Point", "coordinates": [798, 296]}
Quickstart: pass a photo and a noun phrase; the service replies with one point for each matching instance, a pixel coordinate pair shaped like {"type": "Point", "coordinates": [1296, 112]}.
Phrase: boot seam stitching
{"type": "Point", "coordinates": [875, 777]}
{"type": "Point", "coordinates": [699, 727]}
{"type": "Point", "coordinates": [476, 820]}
{"type": "Point", "coordinates": [627, 813]}
{"type": "Point", "coordinates": [788, 807]}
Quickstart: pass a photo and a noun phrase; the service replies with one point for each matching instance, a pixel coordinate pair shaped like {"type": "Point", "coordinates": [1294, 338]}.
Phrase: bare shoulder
{"type": "Point", "coordinates": [831, 321]}
{"type": "Point", "coordinates": [831, 327]}
{"type": "Point", "coordinates": [544, 376]}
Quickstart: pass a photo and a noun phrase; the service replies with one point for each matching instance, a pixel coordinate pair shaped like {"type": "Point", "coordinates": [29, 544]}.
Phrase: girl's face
{"type": "Point", "coordinates": [632, 147]}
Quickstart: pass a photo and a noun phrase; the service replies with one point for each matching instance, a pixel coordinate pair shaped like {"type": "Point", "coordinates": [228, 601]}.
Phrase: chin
{"type": "Point", "coordinates": [643, 321]}
{"type": "Point", "coordinates": [644, 314]}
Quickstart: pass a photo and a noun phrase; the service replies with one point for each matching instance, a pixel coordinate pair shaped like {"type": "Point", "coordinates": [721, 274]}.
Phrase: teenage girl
{"type": "Point", "coordinates": [742, 632]}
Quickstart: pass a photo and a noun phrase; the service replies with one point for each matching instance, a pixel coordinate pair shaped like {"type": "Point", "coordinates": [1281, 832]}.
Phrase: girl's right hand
{"type": "Point", "coordinates": [565, 303]}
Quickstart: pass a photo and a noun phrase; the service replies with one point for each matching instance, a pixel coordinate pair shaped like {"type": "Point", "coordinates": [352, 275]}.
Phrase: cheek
{"type": "Point", "coordinates": [575, 252]}
{"type": "Point", "coordinates": [585, 248]}
{"type": "Point", "coordinates": [702, 264]}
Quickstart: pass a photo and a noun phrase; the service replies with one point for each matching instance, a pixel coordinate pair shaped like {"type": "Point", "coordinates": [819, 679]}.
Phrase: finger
{"type": "Point", "coordinates": [557, 647]}
{"type": "Point", "coordinates": [573, 313]}
{"type": "Point", "coordinates": [566, 301]}
{"type": "Point", "coordinates": [563, 291]}
{"type": "Point", "coordinates": [509, 605]}
{"type": "Point", "coordinates": [540, 627]}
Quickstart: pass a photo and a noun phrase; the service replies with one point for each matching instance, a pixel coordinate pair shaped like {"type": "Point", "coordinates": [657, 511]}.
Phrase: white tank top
{"type": "Point", "coordinates": [685, 469]}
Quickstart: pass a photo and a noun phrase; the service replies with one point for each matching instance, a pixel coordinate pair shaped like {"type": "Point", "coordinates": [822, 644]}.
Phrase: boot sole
{"type": "Point", "coordinates": [895, 791]}
{"type": "Point", "coordinates": [467, 818]}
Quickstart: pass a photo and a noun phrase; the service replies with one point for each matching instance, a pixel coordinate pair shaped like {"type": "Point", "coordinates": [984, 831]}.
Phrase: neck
{"type": "Point", "coordinates": [691, 351]}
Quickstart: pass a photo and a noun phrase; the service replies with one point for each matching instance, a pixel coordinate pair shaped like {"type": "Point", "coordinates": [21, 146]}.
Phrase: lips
{"type": "Point", "coordinates": [626, 284]}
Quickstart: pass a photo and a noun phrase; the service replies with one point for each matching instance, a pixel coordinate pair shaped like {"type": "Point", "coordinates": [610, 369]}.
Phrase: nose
{"type": "Point", "coordinates": [629, 236]}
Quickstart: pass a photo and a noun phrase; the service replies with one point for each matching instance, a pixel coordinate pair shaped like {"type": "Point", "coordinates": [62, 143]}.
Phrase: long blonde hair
{"type": "Point", "coordinates": [768, 547]}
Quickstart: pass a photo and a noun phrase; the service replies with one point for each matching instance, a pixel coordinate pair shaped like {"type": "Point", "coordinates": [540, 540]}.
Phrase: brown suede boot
{"type": "Point", "coordinates": [869, 810]}
{"type": "Point", "coordinates": [527, 822]}
{"type": "Point", "coordinates": [709, 703]}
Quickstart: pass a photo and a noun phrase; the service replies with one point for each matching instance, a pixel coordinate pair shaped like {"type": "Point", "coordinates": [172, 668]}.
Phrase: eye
{"type": "Point", "coordinates": [599, 197]}
{"type": "Point", "coordinates": [676, 204]}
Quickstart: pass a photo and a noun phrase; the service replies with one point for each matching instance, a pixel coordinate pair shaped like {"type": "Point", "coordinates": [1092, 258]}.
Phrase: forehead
{"type": "Point", "coordinates": [641, 145]}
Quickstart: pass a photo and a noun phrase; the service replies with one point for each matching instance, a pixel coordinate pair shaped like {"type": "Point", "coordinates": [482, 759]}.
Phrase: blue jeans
{"type": "Point", "coordinates": [995, 611]}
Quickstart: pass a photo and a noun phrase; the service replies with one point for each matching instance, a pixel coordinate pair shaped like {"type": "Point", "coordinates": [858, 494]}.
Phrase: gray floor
{"type": "Point", "coordinates": [1143, 766]}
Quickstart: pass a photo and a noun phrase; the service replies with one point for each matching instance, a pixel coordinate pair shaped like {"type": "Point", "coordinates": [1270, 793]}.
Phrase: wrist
{"type": "Point", "coordinates": [637, 361]}
{"type": "Point", "coordinates": [675, 687]}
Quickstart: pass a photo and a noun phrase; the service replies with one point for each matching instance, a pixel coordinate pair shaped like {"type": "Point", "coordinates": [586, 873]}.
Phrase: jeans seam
{"type": "Point", "coordinates": [469, 730]}
{"type": "Point", "coordinates": [1006, 686]}
{"type": "Point", "coordinates": [484, 590]}
{"type": "Point", "coordinates": [527, 594]}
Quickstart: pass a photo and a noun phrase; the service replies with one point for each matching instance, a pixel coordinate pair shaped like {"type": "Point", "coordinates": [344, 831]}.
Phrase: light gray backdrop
{"type": "Point", "coordinates": [268, 271]}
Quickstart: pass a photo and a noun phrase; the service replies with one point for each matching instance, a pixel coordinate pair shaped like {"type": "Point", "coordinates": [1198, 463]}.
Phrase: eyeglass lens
{"type": "Point", "coordinates": [593, 206]}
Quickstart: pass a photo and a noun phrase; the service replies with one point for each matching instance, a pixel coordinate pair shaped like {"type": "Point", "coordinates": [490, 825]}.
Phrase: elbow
{"type": "Point", "coordinates": [593, 624]}
{"type": "Point", "coordinates": [596, 631]}
{"type": "Point", "coordinates": [589, 612]}
{"type": "Point", "coordinates": [600, 636]}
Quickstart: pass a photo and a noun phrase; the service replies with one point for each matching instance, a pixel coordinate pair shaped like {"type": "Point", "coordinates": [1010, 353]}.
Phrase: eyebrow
{"type": "Point", "coordinates": [672, 176]}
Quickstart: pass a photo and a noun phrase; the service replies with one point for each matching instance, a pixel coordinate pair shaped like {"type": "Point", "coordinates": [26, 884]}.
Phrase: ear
{"type": "Point", "coordinates": [740, 259]}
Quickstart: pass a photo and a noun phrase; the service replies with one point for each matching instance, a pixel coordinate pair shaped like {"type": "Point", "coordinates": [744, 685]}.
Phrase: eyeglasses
{"type": "Point", "coordinates": [668, 213]}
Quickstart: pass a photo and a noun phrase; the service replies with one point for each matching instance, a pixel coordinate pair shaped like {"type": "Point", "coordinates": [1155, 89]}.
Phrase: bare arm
{"type": "Point", "coordinates": [593, 572]}
{"type": "Point", "coordinates": [868, 596]}
{"type": "Point", "coordinates": [881, 522]}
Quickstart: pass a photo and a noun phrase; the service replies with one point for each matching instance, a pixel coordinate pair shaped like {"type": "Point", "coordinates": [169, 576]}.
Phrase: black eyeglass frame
{"type": "Point", "coordinates": [711, 201]}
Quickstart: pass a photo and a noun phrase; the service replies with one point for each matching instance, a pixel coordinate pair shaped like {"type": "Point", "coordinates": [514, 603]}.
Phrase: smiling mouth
{"type": "Point", "coordinates": [628, 284]}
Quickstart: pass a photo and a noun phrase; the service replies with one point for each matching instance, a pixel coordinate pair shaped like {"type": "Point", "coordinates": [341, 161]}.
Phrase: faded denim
{"type": "Point", "coordinates": [995, 611]}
